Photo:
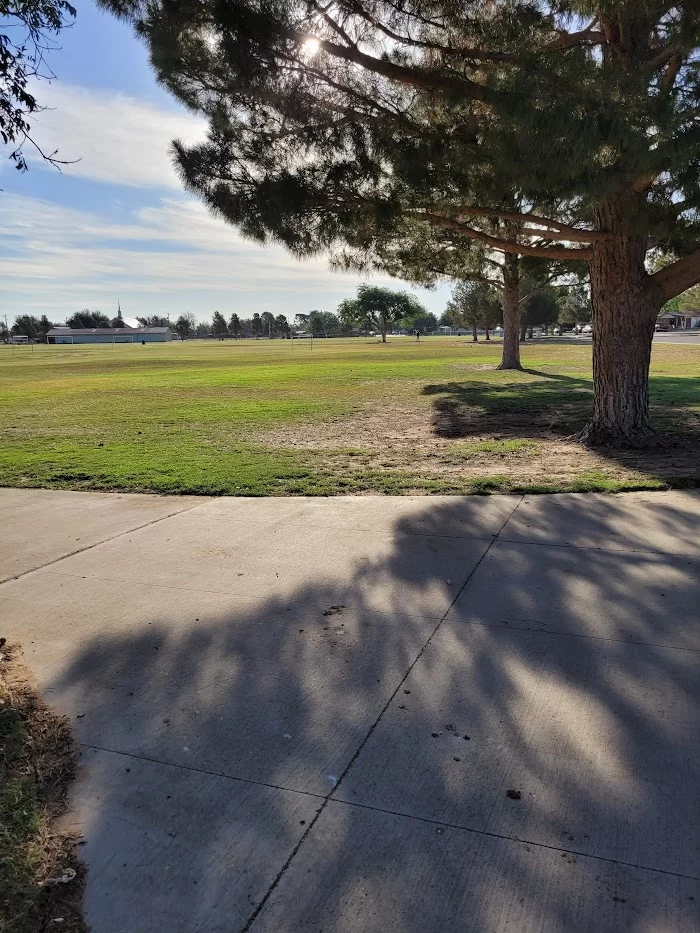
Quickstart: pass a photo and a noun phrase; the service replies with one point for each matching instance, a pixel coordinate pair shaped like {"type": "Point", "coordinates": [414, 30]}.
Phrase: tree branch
{"type": "Point", "coordinates": [403, 74]}
{"type": "Point", "coordinates": [570, 39]}
{"type": "Point", "coordinates": [574, 233]}
{"type": "Point", "coordinates": [679, 276]}
{"type": "Point", "coordinates": [506, 246]}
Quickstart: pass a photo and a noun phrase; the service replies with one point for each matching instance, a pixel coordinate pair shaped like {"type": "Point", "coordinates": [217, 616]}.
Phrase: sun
{"type": "Point", "coordinates": [311, 45]}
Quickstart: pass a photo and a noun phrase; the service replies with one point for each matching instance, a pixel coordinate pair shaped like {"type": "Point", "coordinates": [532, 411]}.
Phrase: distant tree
{"type": "Point", "coordinates": [4, 332]}
{"type": "Point", "coordinates": [323, 322]}
{"type": "Point", "coordinates": [268, 323]}
{"type": "Point", "coordinates": [203, 329]}
{"type": "Point", "coordinates": [256, 325]}
{"type": "Point", "coordinates": [219, 326]}
{"type": "Point", "coordinates": [87, 318]}
{"type": "Point", "coordinates": [28, 325]}
{"type": "Point", "coordinates": [154, 320]}
{"type": "Point", "coordinates": [282, 325]}
{"type": "Point", "coordinates": [234, 326]}
{"type": "Point", "coordinates": [492, 316]}
{"type": "Point", "coordinates": [473, 304]}
{"type": "Point", "coordinates": [690, 300]}
{"type": "Point", "coordinates": [541, 309]}
{"type": "Point", "coordinates": [423, 322]}
{"type": "Point", "coordinates": [378, 308]}
{"type": "Point", "coordinates": [117, 321]}
{"type": "Point", "coordinates": [574, 306]}
{"type": "Point", "coordinates": [301, 321]}
{"type": "Point", "coordinates": [185, 325]}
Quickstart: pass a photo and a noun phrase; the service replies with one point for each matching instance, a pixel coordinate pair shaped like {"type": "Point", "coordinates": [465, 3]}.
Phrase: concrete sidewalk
{"type": "Point", "coordinates": [372, 714]}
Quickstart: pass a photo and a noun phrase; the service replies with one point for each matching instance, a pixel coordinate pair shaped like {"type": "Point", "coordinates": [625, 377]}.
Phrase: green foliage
{"type": "Point", "coordinates": [541, 308]}
{"type": "Point", "coordinates": [28, 28]}
{"type": "Point", "coordinates": [378, 134]}
{"type": "Point", "coordinates": [574, 306]}
{"type": "Point", "coordinates": [323, 322]}
{"type": "Point", "coordinates": [86, 318]}
{"type": "Point", "coordinates": [219, 326]}
{"type": "Point", "coordinates": [378, 308]}
{"type": "Point", "coordinates": [256, 325]}
{"type": "Point", "coordinates": [234, 326]}
{"type": "Point", "coordinates": [154, 320]}
{"type": "Point", "coordinates": [422, 321]}
{"type": "Point", "coordinates": [34, 328]}
{"type": "Point", "coordinates": [690, 299]}
{"type": "Point", "coordinates": [282, 326]}
{"type": "Point", "coordinates": [185, 325]}
{"type": "Point", "coordinates": [474, 305]}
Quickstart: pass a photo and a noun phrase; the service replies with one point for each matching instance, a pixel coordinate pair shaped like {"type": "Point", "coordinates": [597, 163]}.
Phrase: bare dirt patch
{"type": "Point", "coordinates": [449, 441]}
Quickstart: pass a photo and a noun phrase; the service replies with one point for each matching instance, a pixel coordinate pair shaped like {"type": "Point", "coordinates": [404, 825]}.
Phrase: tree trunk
{"type": "Point", "coordinates": [523, 332]}
{"type": "Point", "coordinates": [625, 305]}
{"type": "Point", "coordinates": [487, 334]}
{"type": "Point", "coordinates": [511, 313]}
{"type": "Point", "coordinates": [382, 328]}
{"type": "Point", "coordinates": [475, 336]}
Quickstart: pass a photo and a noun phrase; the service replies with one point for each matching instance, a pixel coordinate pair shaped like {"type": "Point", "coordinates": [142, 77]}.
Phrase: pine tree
{"type": "Point", "coordinates": [234, 326]}
{"type": "Point", "coordinates": [515, 124]}
{"type": "Point", "coordinates": [219, 326]}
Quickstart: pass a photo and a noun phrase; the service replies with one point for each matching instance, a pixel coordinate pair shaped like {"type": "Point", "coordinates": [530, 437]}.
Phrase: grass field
{"type": "Point", "coordinates": [349, 416]}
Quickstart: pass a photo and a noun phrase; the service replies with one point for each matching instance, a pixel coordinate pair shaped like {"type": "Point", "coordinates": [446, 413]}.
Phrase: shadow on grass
{"type": "Point", "coordinates": [320, 708]}
{"type": "Point", "coordinates": [555, 407]}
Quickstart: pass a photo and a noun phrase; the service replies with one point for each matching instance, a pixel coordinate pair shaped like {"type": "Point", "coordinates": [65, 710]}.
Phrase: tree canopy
{"type": "Point", "coordinates": [378, 308]}
{"type": "Point", "coordinates": [475, 305]}
{"type": "Point", "coordinates": [185, 324]}
{"type": "Point", "coordinates": [86, 318]}
{"type": "Point", "coordinates": [27, 34]}
{"type": "Point", "coordinates": [33, 327]}
{"type": "Point", "coordinates": [565, 130]}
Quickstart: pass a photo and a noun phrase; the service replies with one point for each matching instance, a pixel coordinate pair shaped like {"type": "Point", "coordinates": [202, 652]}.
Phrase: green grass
{"type": "Point", "coordinates": [265, 418]}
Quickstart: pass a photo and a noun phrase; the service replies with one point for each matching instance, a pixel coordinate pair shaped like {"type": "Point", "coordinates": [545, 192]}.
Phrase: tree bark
{"type": "Point", "coordinates": [488, 336]}
{"type": "Point", "coordinates": [625, 304]}
{"type": "Point", "coordinates": [511, 313]}
{"type": "Point", "coordinates": [475, 336]}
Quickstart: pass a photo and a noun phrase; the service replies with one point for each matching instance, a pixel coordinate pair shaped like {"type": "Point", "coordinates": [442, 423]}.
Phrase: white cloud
{"type": "Point", "coordinates": [116, 138]}
{"type": "Point", "coordinates": [172, 256]}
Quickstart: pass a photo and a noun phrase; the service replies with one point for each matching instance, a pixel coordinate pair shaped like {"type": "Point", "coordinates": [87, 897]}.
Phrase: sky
{"type": "Point", "coordinates": [116, 225]}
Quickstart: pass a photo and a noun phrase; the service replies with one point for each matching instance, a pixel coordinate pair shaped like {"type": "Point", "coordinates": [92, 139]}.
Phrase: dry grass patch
{"type": "Point", "coordinates": [37, 764]}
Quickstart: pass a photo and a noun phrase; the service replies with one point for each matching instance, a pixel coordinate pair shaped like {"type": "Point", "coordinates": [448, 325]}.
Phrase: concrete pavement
{"type": "Point", "coordinates": [372, 714]}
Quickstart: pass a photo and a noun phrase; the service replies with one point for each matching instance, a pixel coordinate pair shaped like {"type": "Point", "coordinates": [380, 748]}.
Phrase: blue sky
{"type": "Point", "coordinates": [116, 225]}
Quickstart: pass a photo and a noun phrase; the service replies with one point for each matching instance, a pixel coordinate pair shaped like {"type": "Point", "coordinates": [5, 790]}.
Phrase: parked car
{"type": "Point", "coordinates": [661, 325]}
{"type": "Point", "coordinates": [587, 329]}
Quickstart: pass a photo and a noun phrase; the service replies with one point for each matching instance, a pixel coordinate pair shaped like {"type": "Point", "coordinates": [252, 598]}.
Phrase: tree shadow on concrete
{"type": "Point", "coordinates": [221, 731]}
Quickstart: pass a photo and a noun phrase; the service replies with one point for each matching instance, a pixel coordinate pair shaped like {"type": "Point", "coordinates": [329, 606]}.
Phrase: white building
{"type": "Point", "coordinates": [109, 335]}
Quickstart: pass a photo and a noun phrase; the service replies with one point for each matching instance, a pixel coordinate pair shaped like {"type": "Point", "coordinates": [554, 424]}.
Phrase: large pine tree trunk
{"type": "Point", "coordinates": [511, 313]}
{"type": "Point", "coordinates": [625, 306]}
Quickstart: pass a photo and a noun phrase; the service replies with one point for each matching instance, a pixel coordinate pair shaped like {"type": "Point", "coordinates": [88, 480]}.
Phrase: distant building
{"type": "Point", "coordinates": [678, 320]}
{"type": "Point", "coordinates": [19, 338]}
{"type": "Point", "coordinates": [109, 335]}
